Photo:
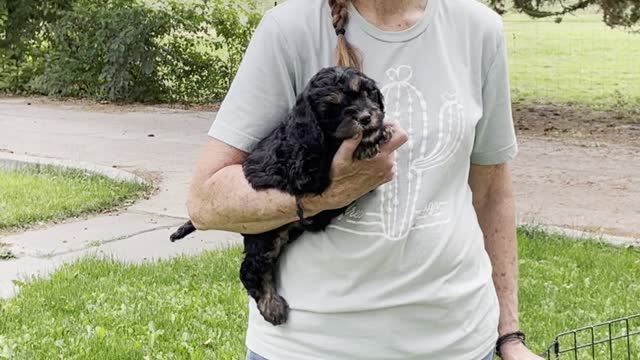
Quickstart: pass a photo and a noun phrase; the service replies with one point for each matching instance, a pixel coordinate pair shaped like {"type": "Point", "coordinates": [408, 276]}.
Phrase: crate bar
{"type": "Point", "coordinates": [597, 342]}
{"type": "Point", "coordinates": [628, 339]}
{"type": "Point", "coordinates": [611, 343]}
{"type": "Point", "coordinates": [599, 325]}
{"type": "Point", "coordinates": [593, 348]}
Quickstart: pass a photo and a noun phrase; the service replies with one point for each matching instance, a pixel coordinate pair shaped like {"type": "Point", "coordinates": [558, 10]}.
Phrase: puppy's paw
{"type": "Point", "coordinates": [365, 152]}
{"type": "Point", "coordinates": [387, 134]}
{"type": "Point", "coordinates": [274, 309]}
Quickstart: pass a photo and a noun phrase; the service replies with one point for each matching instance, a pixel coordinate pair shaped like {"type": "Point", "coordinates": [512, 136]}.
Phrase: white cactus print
{"type": "Point", "coordinates": [431, 144]}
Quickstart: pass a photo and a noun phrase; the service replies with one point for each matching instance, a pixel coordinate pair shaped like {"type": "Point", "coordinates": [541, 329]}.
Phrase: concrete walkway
{"type": "Point", "coordinates": [122, 138]}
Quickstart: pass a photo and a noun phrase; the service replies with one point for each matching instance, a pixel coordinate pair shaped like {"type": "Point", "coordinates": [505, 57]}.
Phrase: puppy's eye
{"type": "Point", "coordinates": [349, 112]}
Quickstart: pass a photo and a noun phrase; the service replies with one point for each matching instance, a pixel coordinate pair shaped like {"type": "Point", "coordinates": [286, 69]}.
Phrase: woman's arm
{"type": "Point", "coordinates": [220, 197]}
{"type": "Point", "coordinates": [494, 204]}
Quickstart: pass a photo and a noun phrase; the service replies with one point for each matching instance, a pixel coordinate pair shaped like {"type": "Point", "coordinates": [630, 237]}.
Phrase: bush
{"type": "Point", "coordinates": [202, 54]}
{"type": "Point", "coordinates": [103, 52]}
{"type": "Point", "coordinates": [21, 36]}
{"type": "Point", "coordinates": [125, 50]}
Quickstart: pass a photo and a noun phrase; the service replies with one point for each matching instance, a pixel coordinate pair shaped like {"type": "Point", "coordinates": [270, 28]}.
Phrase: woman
{"type": "Point", "coordinates": [404, 274]}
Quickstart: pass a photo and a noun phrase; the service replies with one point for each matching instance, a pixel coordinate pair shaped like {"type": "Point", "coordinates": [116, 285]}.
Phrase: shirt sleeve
{"type": "Point", "coordinates": [262, 91]}
{"type": "Point", "coordinates": [495, 139]}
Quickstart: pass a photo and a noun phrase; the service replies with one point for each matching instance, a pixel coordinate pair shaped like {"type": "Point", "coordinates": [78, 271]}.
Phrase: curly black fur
{"type": "Point", "coordinates": [296, 158]}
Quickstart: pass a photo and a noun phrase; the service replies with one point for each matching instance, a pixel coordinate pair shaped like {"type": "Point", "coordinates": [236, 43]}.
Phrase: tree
{"type": "Point", "coordinates": [615, 13]}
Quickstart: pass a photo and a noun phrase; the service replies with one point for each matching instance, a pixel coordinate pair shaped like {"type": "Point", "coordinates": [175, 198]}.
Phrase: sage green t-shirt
{"type": "Point", "coordinates": [404, 273]}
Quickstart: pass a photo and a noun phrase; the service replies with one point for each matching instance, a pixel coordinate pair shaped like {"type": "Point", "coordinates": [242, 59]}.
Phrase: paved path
{"type": "Point", "coordinates": [596, 189]}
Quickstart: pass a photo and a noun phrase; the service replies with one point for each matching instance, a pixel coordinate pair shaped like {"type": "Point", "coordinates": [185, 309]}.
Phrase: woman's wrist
{"type": "Point", "coordinates": [311, 205]}
{"type": "Point", "coordinates": [509, 340]}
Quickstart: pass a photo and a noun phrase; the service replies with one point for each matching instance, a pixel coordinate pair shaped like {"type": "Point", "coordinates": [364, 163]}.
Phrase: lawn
{"type": "Point", "coordinates": [183, 308]}
{"type": "Point", "coordinates": [580, 60]}
{"type": "Point", "coordinates": [47, 194]}
{"type": "Point", "coordinates": [195, 307]}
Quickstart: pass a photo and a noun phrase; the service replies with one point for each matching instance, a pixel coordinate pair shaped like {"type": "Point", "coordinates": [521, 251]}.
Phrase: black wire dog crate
{"type": "Point", "coordinates": [617, 339]}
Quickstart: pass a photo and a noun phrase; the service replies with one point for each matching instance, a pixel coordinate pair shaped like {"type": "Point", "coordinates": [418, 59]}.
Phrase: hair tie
{"type": "Point", "coordinates": [340, 31]}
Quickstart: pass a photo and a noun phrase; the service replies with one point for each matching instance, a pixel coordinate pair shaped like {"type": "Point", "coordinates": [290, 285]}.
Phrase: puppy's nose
{"type": "Point", "coordinates": [364, 118]}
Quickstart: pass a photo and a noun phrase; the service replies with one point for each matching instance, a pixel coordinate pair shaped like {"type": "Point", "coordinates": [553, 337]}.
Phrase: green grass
{"type": "Point", "coordinates": [179, 309]}
{"type": "Point", "coordinates": [196, 308]}
{"type": "Point", "coordinates": [579, 61]}
{"type": "Point", "coordinates": [565, 285]}
{"type": "Point", "coordinates": [46, 194]}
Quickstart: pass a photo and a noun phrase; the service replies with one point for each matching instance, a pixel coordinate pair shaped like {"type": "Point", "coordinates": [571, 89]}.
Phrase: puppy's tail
{"type": "Point", "coordinates": [184, 230]}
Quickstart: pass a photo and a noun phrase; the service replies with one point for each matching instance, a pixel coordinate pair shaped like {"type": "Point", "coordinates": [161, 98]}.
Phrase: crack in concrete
{"type": "Point", "coordinates": [102, 242]}
{"type": "Point", "coordinates": [144, 212]}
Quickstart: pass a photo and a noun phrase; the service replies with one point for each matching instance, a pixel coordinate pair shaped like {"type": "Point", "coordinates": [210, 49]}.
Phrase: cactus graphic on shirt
{"type": "Point", "coordinates": [431, 144]}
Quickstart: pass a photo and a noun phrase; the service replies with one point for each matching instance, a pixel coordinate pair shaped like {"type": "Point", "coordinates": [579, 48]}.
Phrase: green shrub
{"type": "Point", "coordinates": [202, 54]}
{"type": "Point", "coordinates": [106, 52]}
{"type": "Point", "coordinates": [21, 39]}
{"type": "Point", "coordinates": [127, 50]}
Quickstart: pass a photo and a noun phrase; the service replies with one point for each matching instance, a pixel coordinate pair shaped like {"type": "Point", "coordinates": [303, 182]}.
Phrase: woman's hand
{"type": "Point", "coordinates": [351, 179]}
{"type": "Point", "coordinates": [517, 351]}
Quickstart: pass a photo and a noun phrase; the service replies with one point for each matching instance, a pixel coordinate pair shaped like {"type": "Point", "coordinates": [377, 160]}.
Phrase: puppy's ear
{"type": "Point", "coordinates": [306, 170]}
{"type": "Point", "coordinates": [380, 98]}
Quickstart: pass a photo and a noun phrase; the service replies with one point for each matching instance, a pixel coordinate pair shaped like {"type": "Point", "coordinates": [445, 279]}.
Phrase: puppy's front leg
{"type": "Point", "coordinates": [369, 147]}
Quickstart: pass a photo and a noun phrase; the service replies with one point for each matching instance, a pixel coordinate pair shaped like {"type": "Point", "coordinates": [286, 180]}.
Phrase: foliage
{"type": "Point", "coordinates": [129, 50]}
{"type": "Point", "coordinates": [202, 54]}
{"type": "Point", "coordinates": [102, 51]}
{"type": "Point", "coordinates": [623, 13]}
{"type": "Point", "coordinates": [21, 32]}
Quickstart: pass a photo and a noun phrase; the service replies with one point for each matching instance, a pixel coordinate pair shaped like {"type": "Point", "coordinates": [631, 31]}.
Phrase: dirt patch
{"type": "Point", "coordinates": [577, 123]}
{"type": "Point", "coordinates": [565, 183]}
{"type": "Point", "coordinates": [5, 253]}
{"type": "Point", "coordinates": [578, 168]}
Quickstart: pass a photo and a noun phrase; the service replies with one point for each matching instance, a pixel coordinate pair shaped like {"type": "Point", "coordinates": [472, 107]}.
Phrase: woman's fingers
{"type": "Point", "coordinates": [345, 152]}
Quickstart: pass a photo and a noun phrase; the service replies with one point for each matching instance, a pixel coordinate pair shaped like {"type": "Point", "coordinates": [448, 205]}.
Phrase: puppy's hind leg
{"type": "Point", "coordinates": [257, 273]}
{"type": "Point", "coordinates": [273, 307]}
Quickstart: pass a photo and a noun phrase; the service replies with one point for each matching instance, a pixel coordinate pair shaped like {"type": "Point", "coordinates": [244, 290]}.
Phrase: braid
{"type": "Point", "coordinates": [346, 55]}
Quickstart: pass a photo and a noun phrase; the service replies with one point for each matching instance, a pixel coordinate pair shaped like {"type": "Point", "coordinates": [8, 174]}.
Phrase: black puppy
{"type": "Point", "coordinates": [296, 158]}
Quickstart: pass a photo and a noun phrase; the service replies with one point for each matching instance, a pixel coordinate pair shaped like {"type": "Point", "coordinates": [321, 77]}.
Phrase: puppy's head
{"type": "Point", "coordinates": [345, 102]}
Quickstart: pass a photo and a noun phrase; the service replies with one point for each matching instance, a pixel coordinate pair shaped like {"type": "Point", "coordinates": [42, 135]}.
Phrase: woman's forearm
{"type": "Point", "coordinates": [226, 201]}
{"type": "Point", "coordinates": [494, 204]}
{"type": "Point", "coordinates": [498, 224]}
